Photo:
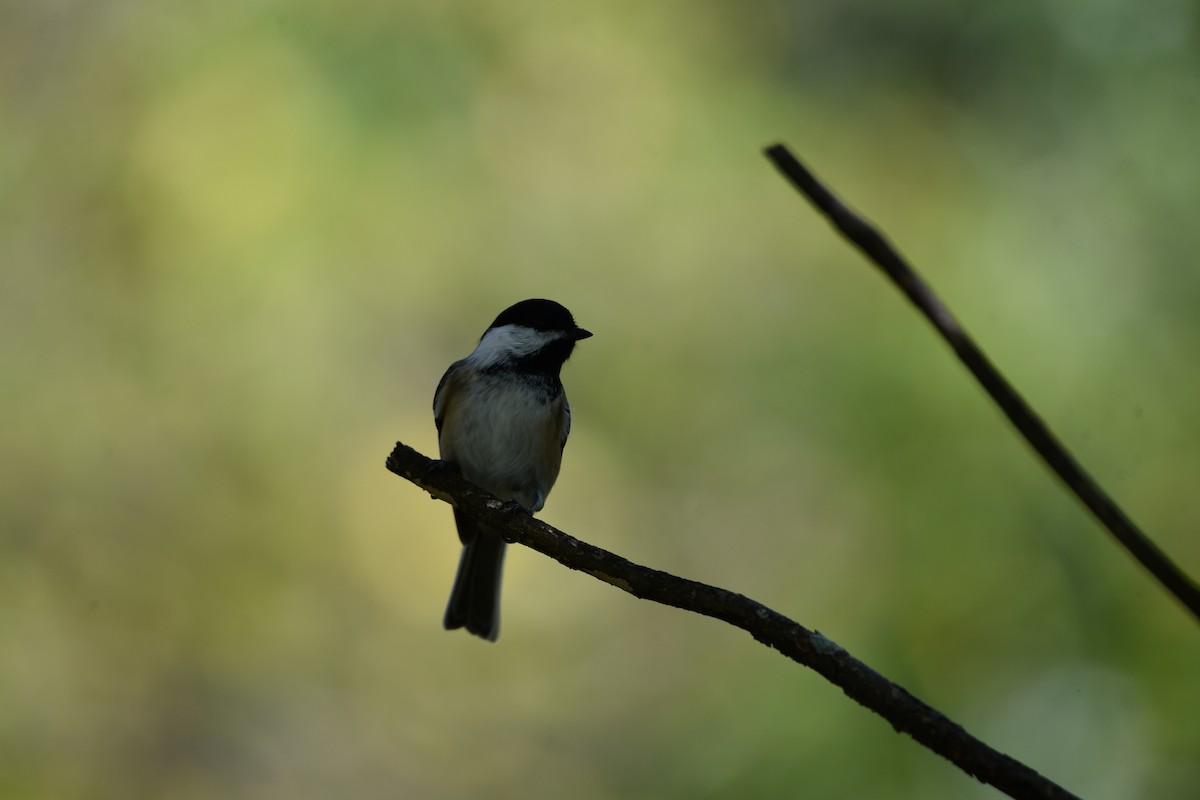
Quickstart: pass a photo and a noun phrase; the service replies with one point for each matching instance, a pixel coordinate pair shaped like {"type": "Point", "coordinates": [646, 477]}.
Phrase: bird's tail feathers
{"type": "Point", "coordinates": [475, 599]}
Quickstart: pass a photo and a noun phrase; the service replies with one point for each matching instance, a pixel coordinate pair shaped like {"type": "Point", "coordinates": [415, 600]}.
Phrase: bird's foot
{"type": "Point", "coordinates": [513, 507]}
{"type": "Point", "coordinates": [444, 466]}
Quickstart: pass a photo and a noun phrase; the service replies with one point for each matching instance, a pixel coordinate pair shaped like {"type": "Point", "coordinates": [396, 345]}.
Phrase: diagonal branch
{"type": "Point", "coordinates": [876, 247]}
{"type": "Point", "coordinates": [904, 712]}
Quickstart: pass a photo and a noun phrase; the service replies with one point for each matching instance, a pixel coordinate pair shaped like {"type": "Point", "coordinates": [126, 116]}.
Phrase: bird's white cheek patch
{"type": "Point", "coordinates": [508, 342]}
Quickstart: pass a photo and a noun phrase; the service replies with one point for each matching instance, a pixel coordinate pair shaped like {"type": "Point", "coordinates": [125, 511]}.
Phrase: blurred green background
{"type": "Point", "coordinates": [240, 241]}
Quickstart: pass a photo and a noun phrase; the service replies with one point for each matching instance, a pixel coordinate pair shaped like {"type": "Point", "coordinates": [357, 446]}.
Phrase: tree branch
{"type": "Point", "coordinates": [906, 713]}
{"type": "Point", "coordinates": [876, 247]}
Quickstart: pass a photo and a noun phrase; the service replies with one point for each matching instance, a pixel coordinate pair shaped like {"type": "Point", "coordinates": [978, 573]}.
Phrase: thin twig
{"type": "Point", "coordinates": [906, 713]}
{"type": "Point", "coordinates": [876, 247]}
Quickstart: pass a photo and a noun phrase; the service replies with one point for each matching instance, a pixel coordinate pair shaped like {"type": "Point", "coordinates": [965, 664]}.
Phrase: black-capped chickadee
{"type": "Point", "coordinates": [503, 418]}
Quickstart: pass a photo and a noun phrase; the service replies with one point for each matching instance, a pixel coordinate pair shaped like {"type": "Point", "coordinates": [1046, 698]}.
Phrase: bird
{"type": "Point", "coordinates": [503, 419]}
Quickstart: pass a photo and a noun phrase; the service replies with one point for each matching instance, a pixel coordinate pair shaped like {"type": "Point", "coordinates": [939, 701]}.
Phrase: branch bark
{"type": "Point", "coordinates": [875, 247]}
{"type": "Point", "coordinates": [902, 710]}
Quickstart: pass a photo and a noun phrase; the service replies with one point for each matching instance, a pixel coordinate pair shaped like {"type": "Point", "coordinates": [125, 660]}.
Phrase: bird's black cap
{"type": "Point", "coordinates": [541, 315]}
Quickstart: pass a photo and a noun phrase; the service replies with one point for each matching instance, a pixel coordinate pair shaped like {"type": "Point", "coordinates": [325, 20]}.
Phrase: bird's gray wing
{"type": "Point", "coordinates": [442, 394]}
{"type": "Point", "coordinates": [566, 421]}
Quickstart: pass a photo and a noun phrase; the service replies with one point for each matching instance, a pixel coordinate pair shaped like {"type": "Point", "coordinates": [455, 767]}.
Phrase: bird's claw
{"type": "Point", "coordinates": [512, 507]}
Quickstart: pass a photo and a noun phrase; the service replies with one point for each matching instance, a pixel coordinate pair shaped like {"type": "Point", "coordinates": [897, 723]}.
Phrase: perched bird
{"type": "Point", "coordinates": [503, 419]}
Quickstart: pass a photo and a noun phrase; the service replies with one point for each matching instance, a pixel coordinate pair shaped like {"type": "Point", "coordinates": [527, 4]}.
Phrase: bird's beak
{"type": "Point", "coordinates": [580, 333]}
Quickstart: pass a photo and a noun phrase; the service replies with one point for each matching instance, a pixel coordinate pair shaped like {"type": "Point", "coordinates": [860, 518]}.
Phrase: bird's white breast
{"type": "Point", "coordinates": [505, 437]}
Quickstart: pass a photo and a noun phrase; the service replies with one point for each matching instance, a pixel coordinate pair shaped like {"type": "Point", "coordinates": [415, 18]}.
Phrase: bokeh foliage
{"type": "Point", "coordinates": [239, 242]}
